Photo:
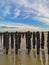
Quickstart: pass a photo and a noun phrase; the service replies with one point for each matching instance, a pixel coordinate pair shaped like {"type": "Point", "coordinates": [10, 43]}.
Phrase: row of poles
{"type": "Point", "coordinates": [37, 40]}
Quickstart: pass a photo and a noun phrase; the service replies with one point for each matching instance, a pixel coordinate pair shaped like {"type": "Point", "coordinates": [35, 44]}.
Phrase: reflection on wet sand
{"type": "Point", "coordinates": [24, 59]}
{"type": "Point", "coordinates": [42, 57]}
{"type": "Point", "coordinates": [48, 59]}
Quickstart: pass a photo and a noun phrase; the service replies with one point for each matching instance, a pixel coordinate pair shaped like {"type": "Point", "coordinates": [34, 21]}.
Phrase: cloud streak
{"type": "Point", "coordinates": [12, 27]}
{"type": "Point", "coordinates": [35, 9]}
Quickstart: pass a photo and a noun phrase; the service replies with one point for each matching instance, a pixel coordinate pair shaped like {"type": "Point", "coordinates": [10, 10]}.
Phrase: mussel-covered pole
{"type": "Point", "coordinates": [28, 41]}
{"type": "Point", "coordinates": [42, 40]}
{"type": "Point", "coordinates": [12, 41]}
{"type": "Point", "coordinates": [6, 41]}
{"type": "Point", "coordinates": [34, 40]}
{"type": "Point", "coordinates": [38, 42]}
{"type": "Point", "coordinates": [48, 42]}
{"type": "Point", "coordinates": [17, 41]}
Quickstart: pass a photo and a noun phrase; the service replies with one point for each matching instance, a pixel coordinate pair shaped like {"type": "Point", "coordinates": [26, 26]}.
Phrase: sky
{"type": "Point", "coordinates": [26, 12]}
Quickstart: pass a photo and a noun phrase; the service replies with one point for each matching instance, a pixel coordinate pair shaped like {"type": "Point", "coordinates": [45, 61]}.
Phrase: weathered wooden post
{"type": "Point", "coordinates": [38, 42]}
{"type": "Point", "coordinates": [12, 41]}
{"type": "Point", "coordinates": [48, 42]}
{"type": "Point", "coordinates": [6, 41]}
{"type": "Point", "coordinates": [42, 40]}
{"type": "Point", "coordinates": [34, 40]}
{"type": "Point", "coordinates": [28, 41]}
{"type": "Point", "coordinates": [17, 41]}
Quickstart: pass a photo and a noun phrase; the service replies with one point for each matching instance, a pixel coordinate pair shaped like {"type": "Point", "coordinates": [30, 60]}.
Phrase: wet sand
{"type": "Point", "coordinates": [24, 59]}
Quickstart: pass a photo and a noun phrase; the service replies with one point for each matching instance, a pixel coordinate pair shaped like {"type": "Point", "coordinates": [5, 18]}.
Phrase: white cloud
{"type": "Point", "coordinates": [16, 13]}
{"type": "Point", "coordinates": [2, 3]}
{"type": "Point", "coordinates": [18, 27]}
{"type": "Point", "coordinates": [36, 9]}
{"type": "Point", "coordinates": [6, 10]}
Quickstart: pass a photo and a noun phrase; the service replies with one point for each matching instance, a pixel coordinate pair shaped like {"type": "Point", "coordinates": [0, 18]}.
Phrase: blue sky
{"type": "Point", "coordinates": [29, 12]}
